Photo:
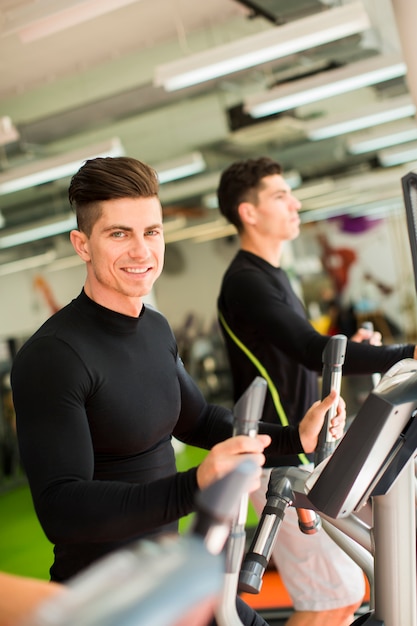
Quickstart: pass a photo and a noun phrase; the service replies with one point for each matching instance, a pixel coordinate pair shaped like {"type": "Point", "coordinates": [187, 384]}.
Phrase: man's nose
{"type": "Point", "coordinates": [296, 203]}
{"type": "Point", "coordinates": [138, 247]}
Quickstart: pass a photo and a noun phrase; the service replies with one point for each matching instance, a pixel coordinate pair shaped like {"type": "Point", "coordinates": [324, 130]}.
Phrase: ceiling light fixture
{"type": "Point", "coordinates": [191, 188]}
{"type": "Point", "coordinates": [56, 167]}
{"type": "Point", "coordinates": [29, 263]}
{"type": "Point", "coordinates": [200, 230]}
{"type": "Point", "coordinates": [40, 230]}
{"type": "Point", "coordinates": [182, 167]}
{"type": "Point", "coordinates": [40, 19]}
{"type": "Point", "coordinates": [324, 85]}
{"type": "Point", "coordinates": [367, 117]}
{"type": "Point", "coordinates": [375, 209]}
{"type": "Point", "coordinates": [394, 156]}
{"type": "Point", "coordinates": [385, 138]}
{"type": "Point", "coordinates": [279, 42]}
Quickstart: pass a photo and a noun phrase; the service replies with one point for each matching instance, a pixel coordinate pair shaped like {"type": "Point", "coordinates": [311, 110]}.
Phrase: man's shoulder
{"type": "Point", "coordinates": [152, 314]}
{"type": "Point", "coordinates": [247, 267]}
{"type": "Point", "coordinates": [242, 263]}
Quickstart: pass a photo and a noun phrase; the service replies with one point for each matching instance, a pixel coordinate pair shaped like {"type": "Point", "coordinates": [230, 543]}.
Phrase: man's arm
{"type": "Point", "coordinates": [20, 596]}
{"type": "Point", "coordinates": [224, 457]}
{"type": "Point", "coordinates": [274, 316]}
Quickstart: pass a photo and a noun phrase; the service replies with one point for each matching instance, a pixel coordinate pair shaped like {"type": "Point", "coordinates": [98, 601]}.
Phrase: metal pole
{"type": "Point", "coordinates": [395, 552]}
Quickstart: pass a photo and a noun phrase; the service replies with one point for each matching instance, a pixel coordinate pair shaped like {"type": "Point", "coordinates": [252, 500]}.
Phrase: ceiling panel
{"type": "Point", "coordinates": [94, 80]}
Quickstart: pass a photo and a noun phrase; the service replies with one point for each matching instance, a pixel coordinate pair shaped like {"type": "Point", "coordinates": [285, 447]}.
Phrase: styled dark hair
{"type": "Point", "coordinates": [241, 182]}
{"type": "Point", "coordinates": [106, 179]}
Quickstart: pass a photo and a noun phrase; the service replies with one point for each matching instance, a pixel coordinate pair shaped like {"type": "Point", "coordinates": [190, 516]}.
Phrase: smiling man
{"type": "Point", "coordinates": [100, 390]}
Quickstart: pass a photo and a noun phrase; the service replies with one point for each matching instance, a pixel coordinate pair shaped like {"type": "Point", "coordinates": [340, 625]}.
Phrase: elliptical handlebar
{"type": "Point", "coordinates": [247, 413]}
{"type": "Point", "coordinates": [333, 359]}
{"type": "Point", "coordinates": [280, 494]}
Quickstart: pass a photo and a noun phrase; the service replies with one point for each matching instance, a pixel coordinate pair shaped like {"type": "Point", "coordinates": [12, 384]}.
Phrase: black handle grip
{"type": "Point", "coordinates": [248, 409]}
{"type": "Point", "coordinates": [368, 326]}
{"type": "Point", "coordinates": [333, 359]}
{"type": "Point", "coordinates": [218, 504]}
{"type": "Point", "coordinates": [259, 553]}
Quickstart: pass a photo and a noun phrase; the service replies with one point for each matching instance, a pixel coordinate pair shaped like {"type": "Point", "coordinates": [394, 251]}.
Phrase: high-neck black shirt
{"type": "Point", "coordinates": [98, 396]}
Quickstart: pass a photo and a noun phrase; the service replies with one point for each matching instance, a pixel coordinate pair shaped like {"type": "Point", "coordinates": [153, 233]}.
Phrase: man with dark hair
{"type": "Point", "coordinates": [267, 332]}
{"type": "Point", "coordinates": [100, 390]}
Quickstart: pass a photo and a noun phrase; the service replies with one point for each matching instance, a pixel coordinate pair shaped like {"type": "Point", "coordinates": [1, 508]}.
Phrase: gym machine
{"type": "Point", "coordinates": [374, 462]}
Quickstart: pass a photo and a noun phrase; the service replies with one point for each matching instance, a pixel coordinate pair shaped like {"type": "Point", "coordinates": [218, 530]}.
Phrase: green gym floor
{"type": "Point", "coordinates": [24, 548]}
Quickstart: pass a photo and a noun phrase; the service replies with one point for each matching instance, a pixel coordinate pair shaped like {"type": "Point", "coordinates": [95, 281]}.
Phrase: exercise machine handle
{"type": "Point", "coordinates": [248, 409]}
{"type": "Point", "coordinates": [368, 325]}
{"type": "Point", "coordinates": [278, 498]}
{"type": "Point", "coordinates": [218, 505]}
{"type": "Point", "coordinates": [376, 377]}
{"type": "Point", "coordinates": [333, 359]}
{"type": "Point", "coordinates": [247, 413]}
{"type": "Point", "coordinates": [280, 495]}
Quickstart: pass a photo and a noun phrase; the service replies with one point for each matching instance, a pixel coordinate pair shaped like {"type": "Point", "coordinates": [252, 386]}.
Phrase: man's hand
{"type": "Point", "coordinates": [311, 424]}
{"type": "Point", "coordinates": [225, 456]}
{"type": "Point", "coordinates": [370, 336]}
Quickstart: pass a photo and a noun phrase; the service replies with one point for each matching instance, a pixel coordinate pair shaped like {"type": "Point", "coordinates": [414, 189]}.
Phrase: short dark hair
{"type": "Point", "coordinates": [107, 178]}
{"type": "Point", "coordinates": [241, 182]}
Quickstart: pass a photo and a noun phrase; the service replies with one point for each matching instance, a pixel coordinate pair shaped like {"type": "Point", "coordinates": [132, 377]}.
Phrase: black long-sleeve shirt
{"type": "Point", "coordinates": [98, 396]}
{"type": "Point", "coordinates": [272, 336]}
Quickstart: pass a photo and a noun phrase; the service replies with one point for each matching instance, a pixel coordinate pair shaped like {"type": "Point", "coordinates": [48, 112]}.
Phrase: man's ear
{"type": "Point", "coordinates": [79, 242]}
{"type": "Point", "coordinates": [247, 212]}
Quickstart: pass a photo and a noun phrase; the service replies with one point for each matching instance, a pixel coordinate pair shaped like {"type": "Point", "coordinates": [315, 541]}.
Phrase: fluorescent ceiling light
{"type": "Point", "coordinates": [394, 156]}
{"type": "Point", "coordinates": [40, 19]}
{"type": "Point", "coordinates": [276, 43]}
{"type": "Point", "coordinates": [25, 264]}
{"type": "Point", "coordinates": [181, 168]}
{"type": "Point", "coordinates": [316, 189]}
{"type": "Point", "coordinates": [324, 85]}
{"type": "Point", "coordinates": [201, 230]}
{"type": "Point", "coordinates": [367, 117]}
{"type": "Point", "coordinates": [376, 210]}
{"type": "Point", "coordinates": [196, 186]}
{"type": "Point", "coordinates": [385, 138]}
{"type": "Point", "coordinates": [40, 230]}
{"type": "Point", "coordinates": [54, 168]}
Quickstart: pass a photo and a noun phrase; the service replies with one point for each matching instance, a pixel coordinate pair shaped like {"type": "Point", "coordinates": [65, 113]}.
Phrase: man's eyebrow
{"type": "Point", "coordinates": [282, 190]}
{"type": "Point", "coordinates": [130, 228]}
{"type": "Point", "coordinates": [117, 227]}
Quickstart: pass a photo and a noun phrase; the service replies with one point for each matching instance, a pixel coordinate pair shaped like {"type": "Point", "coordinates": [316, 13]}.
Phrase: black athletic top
{"type": "Point", "coordinates": [267, 332]}
{"type": "Point", "coordinates": [97, 396]}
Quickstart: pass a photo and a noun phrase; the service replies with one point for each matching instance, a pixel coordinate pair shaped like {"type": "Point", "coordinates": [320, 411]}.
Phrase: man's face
{"type": "Point", "coordinates": [277, 209]}
{"type": "Point", "coordinates": [124, 253]}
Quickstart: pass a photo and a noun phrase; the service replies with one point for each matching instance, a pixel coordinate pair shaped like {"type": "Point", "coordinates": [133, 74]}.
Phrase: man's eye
{"type": "Point", "coordinates": [117, 234]}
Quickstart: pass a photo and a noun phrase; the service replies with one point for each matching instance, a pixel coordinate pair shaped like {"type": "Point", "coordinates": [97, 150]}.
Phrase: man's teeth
{"type": "Point", "coordinates": [136, 270]}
